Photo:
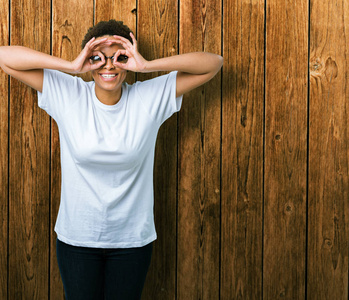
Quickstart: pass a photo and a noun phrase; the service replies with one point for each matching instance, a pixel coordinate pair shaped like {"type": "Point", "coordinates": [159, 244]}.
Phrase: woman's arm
{"type": "Point", "coordinates": [194, 69]}
{"type": "Point", "coordinates": [27, 65]}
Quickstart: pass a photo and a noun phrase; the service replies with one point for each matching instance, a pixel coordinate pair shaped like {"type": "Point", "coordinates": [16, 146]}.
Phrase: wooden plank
{"type": "Point", "coordinates": [29, 164]}
{"type": "Point", "coordinates": [157, 37]}
{"type": "Point", "coordinates": [69, 29]}
{"type": "Point", "coordinates": [199, 160]}
{"type": "Point", "coordinates": [120, 10]}
{"type": "Point", "coordinates": [285, 149]}
{"type": "Point", "coordinates": [328, 151]}
{"type": "Point", "coordinates": [242, 149]}
{"type": "Point", "coordinates": [4, 40]}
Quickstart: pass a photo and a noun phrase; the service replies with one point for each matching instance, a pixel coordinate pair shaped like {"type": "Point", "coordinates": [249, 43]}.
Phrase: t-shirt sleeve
{"type": "Point", "coordinates": [158, 96]}
{"type": "Point", "coordinates": [58, 92]}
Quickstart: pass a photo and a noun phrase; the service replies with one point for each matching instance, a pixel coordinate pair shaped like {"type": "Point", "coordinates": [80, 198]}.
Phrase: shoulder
{"type": "Point", "coordinates": [159, 78]}
{"type": "Point", "coordinates": [155, 84]}
{"type": "Point", "coordinates": [59, 81]}
{"type": "Point", "coordinates": [59, 75]}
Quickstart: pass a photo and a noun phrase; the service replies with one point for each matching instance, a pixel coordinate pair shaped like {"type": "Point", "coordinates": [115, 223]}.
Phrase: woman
{"type": "Point", "coordinates": [105, 225]}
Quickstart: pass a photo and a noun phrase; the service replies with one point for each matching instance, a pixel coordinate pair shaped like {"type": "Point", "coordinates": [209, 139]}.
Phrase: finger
{"type": "Point", "coordinates": [94, 41]}
{"type": "Point", "coordinates": [100, 42]}
{"type": "Point", "coordinates": [119, 37]}
{"type": "Point", "coordinates": [120, 41]}
{"type": "Point", "coordinates": [86, 50]}
{"type": "Point", "coordinates": [89, 42]}
{"type": "Point", "coordinates": [124, 46]}
{"type": "Point", "coordinates": [117, 42]}
{"type": "Point", "coordinates": [99, 64]}
{"type": "Point", "coordinates": [98, 53]}
{"type": "Point", "coordinates": [123, 41]}
{"type": "Point", "coordinates": [116, 56]}
{"type": "Point", "coordinates": [133, 39]}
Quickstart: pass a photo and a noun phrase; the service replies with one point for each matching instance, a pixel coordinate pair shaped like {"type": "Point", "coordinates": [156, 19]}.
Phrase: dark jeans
{"type": "Point", "coordinates": [97, 274]}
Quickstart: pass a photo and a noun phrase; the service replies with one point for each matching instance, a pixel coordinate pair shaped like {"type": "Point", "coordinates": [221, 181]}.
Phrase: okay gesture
{"type": "Point", "coordinates": [135, 61]}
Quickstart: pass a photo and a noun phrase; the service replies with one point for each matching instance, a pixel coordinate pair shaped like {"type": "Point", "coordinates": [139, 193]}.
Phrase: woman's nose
{"type": "Point", "coordinates": [109, 62]}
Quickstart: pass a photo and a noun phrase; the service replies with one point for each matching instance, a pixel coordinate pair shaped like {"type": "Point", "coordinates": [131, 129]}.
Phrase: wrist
{"type": "Point", "coordinates": [145, 67]}
{"type": "Point", "coordinates": [149, 66]}
{"type": "Point", "coordinates": [70, 67]}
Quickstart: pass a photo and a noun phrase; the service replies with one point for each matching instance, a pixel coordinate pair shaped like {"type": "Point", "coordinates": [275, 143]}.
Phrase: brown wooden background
{"type": "Point", "coordinates": [251, 177]}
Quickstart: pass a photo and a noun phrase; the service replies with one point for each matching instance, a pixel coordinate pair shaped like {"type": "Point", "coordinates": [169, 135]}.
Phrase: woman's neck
{"type": "Point", "coordinates": [108, 97]}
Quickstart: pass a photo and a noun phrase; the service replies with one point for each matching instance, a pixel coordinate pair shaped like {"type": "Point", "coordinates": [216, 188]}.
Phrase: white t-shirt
{"type": "Point", "coordinates": [107, 158]}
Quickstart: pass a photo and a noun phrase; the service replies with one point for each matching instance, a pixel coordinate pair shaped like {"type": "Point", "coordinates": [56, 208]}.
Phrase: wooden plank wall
{"type": "Point", "coordinates": [251, 177]}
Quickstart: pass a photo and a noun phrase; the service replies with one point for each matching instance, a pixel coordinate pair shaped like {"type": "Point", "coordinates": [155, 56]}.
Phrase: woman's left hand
{"type": "Point", "coordinates": [135, 61]}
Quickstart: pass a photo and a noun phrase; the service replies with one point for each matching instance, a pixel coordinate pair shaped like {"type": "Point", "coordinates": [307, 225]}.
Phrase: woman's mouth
{"type": "Point", "coordinates": [108, 77]}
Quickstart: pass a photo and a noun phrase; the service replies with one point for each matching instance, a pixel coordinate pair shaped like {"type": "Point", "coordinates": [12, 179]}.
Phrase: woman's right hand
{"type": "Point", "coordinates": [82, 63]}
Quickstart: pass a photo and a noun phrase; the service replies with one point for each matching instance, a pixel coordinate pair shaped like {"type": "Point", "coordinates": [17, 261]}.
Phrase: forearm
{"type": "Point", "coordinates": [193, 63]}
{"type": "Point", "coordinates": [23, 59]}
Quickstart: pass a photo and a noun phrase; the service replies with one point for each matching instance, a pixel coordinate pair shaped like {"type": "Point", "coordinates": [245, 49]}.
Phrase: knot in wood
{"type": "Point", "coordinates": [66, 24]}
{"type": "Point", "coordinates": [282, 293]}
{"type": "Point", "coordinates": [331, 69]}
{"type": "Point", "coordinates": [316, 67]}
{"type": "Point", "coordinates": [319, 68]}
{"type": "Point", "coordinates": [327, 243]}
{"type": "Point", "coordinates": [243, 120]}
{"type": "Point", "coordinates": [288, 208]}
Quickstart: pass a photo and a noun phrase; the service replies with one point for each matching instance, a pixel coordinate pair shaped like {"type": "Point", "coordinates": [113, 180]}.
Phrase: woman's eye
{"type": "Point", "coordinates": [95, 58]}
{"type": "Point", "coordinates": [122, 58]}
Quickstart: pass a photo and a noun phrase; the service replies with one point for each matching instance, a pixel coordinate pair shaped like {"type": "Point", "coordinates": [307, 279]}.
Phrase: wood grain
{"type": "Point", "coordinates": [29, 164]}
{"type": "Point", "coordinates": [199, 160]}
{"type": "Point", "coordinates": [157, 37]}
{"type": "Point", "coordinates": [328, 152]}
{"type": "Point", "coordinates": [285, 150]}
{"type": "Point", "coordinates": [230, 204]}
{"type": "Point", "coordinates": [242, 150]}
{"type": "Point", "coordinates": [69, 29]}
{"type": "Point", "coordinates": [120, 10]}
{"type": "Point", "coordinates": [4, 40]}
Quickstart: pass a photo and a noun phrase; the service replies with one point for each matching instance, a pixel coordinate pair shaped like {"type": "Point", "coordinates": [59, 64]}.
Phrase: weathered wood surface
{"type": "Point", "coordinates": [328, 151]}
{"type": "Point", "coordinates": [251, 177]}
{"type": "Point", "coordinates": [285, 172]}
{"type": "Point", "coordinates": [29, 163]}
{"type": "Point", "coordinates": [68, 31]}
{"type": "Point", "coordinates": [161, 40]}
{"type": "Point", "coordinates": [242, 150]}
{"type": "Point", "coordinates": [4, 106]}
{"type": "Point", "coordinates": [199, 161]}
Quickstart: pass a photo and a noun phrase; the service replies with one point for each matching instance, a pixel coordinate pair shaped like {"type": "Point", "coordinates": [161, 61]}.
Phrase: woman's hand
{"type": "Point", "coordinates": [83, 63]}
{"type": "Point", "coordinates": [135, 61]}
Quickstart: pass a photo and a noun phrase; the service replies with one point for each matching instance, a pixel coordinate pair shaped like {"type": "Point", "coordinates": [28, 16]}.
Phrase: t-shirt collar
{"type": "Point", "coordinates": [109, 107]}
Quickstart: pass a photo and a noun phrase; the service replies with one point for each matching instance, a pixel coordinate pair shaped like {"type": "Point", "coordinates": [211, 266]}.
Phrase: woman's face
{"type": "Point", "coordinates": [109, 77]}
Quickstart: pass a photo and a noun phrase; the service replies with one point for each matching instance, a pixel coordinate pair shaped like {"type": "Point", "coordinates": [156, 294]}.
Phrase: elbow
{"type": "Point", "coordinates": [220, 61]}
{"type": "Point", "coordinates": [218, 64]}
{"type": "Point", "coordinates": [4, 53]}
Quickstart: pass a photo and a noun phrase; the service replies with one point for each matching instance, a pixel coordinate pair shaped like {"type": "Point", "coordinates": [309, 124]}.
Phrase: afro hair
{"type": "Point", "coordinates": [110, 27]}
